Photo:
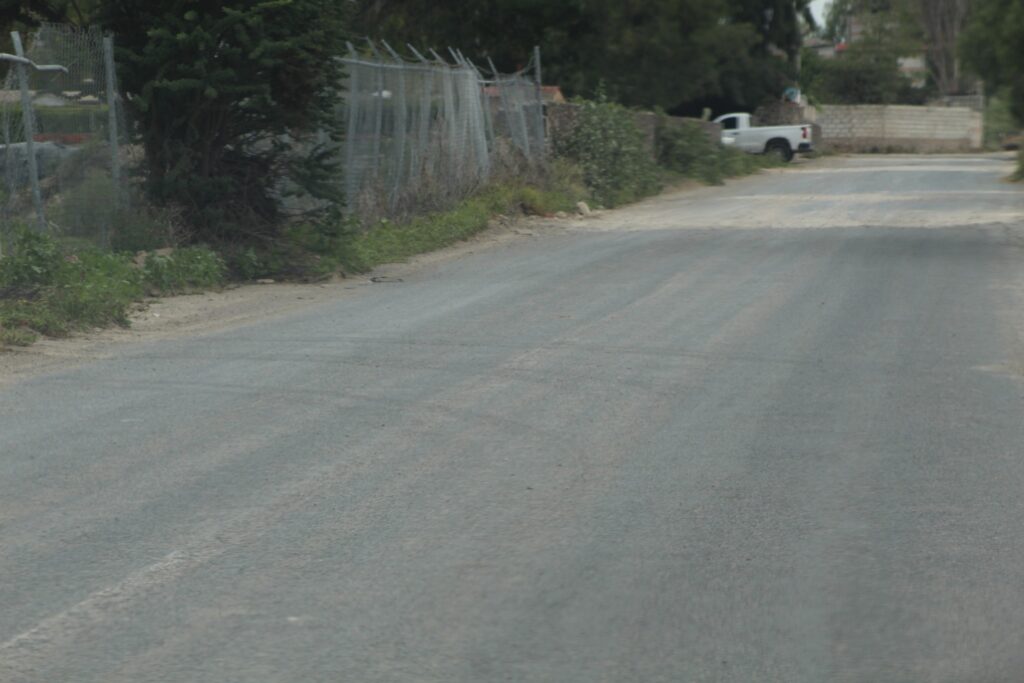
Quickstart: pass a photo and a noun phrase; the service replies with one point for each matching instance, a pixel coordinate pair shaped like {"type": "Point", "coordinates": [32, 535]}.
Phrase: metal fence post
{"type": "Point", "coordinates": [539, 120]}
{"type": "Point", "coordinates": [115, 155]}
{"type": "Point", "coordinates": [351, 102]}
{"type": "Point", "coordinates": [30, 133]}
{"type": "Point", "coordinates": [401, 128]}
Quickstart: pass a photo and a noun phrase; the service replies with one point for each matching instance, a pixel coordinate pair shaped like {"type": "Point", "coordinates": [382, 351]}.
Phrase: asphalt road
{"type": "Point", "coordinates": [767, 432]}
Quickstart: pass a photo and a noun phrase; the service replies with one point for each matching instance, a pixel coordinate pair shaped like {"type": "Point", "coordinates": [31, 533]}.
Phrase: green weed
{"type": "Point", "coordinates": [183, 270]}
{"type": "Point", "coordinates": [47, 290]}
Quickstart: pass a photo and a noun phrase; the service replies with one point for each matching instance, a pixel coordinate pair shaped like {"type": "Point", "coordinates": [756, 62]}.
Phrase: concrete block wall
{"type": "Point", "coordinates": [873, 128]}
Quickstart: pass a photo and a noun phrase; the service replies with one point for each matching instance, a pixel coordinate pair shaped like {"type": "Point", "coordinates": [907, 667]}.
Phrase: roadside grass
{"type": "Point", "coordinates": [390, 242]}
{"type": "Point", "coordinates": [313, 251]}
{"type": "Point", "coordinates": [47, 289]}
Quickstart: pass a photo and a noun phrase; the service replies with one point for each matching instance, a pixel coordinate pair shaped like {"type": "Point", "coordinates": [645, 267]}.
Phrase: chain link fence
{"type": "Point", "coordinates": [64, 152]}
{"type": "Point", "coordinates": [419, 135]}
{"type": "Point", "coordinates": [423, 134]}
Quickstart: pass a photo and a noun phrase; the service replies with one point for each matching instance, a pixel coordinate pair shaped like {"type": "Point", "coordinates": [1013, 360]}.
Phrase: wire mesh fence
{"type": "Point", "coordinates": [420, 135]}
{"type": "Point", "coordinates": [64, 152]}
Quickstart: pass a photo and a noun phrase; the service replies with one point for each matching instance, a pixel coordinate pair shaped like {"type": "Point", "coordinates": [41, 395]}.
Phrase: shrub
{"type": "Point", "coordinates": [183, 270]}
{"type": "Point", "coordinates": [35, 260]}
{"type": "Point", "coordinates": [229, 96]}
{"type": "Point", "coordinates": [46, 290]}
{"type": "Point", "coordinates": [93, 289]}
{"type": "Point", "coordinates": [999, 121]}
{"type": "Point", "coordinates": [685, 148]}
{"type": "Point", "coordinates": [614, 157]}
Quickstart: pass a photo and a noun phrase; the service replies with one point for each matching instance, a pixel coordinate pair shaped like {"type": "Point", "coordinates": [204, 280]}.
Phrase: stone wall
{"type": "Point", "coordinates": [900, 128]}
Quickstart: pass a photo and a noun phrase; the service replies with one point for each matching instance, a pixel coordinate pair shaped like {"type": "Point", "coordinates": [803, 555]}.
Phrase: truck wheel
{"type": "Point", "coordinates": [780, 149]}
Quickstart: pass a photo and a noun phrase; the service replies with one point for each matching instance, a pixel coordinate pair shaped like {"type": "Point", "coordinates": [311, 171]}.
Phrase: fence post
{"type": "Point", "coordinates": [115, 156]}
{"type": "Point", "coordinates": [351, 187]}
{"type": "Point", "coordinates": [401, 126]}
{"type": "Point", "coordinates": [30, 133]}
{"type": "Point", "coordinates": [539, 120]}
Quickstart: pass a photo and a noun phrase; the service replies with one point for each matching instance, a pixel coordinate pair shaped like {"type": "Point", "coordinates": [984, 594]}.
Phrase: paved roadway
{"type": "Point", "coordinates": [767, 432]}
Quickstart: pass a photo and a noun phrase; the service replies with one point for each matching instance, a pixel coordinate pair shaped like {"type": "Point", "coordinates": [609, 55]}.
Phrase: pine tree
{"type": "Point", "coordinates": [230, 99]}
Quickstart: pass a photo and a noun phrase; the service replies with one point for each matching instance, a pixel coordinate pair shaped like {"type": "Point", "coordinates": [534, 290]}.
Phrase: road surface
{"type": "Point", "coordinates": [767, 432]}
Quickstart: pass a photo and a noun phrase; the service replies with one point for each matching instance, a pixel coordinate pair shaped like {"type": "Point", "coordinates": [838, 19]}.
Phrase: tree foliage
{"type": "Point", "coordinates": [227, 96]}
{"type": "Point", "coordinates": [874, 35]}
{"type": "Point", "coordinates": [780, 24]}
{"type": "Point", "coordinates": [612, 152]}
{"type": "Point", "coordinates": [992, 46]}
{"type": "Point", "coordinates": [942, 22]}
{"type": "Point", "coordinates": [859, 75]}
{"type": "Point", "coordinates": [676, 54]}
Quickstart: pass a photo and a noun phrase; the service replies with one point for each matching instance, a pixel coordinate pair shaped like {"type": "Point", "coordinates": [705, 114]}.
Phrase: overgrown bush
{"type": "Point", "coordinates": [685, 148]}
{"type": "Point", "coordinates": [46, 289]}
{"type": "Point", "coordinates": [614, 157]}
{"type": "Point", "coordinates": [999, 121]}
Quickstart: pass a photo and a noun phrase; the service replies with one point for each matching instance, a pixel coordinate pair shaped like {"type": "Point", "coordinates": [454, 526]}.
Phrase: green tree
{"type": "Point", "coordinates": [862, 74]}
{"type": "Point", "coordinates": [227, 97]}
{"type": "Point", "coordinates": [875, 34]}
{"type": "Point", "coordinates": [780, 24]}
{"type": "Point", "coordinates": [669, 53]}
{"type": "Point", "coordinates": [992, 46]}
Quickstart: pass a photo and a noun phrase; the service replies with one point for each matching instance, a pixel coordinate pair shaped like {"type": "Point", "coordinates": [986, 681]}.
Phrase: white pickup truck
{"type": "Point", "coordinates": [784, 141]}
